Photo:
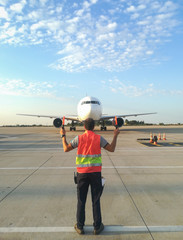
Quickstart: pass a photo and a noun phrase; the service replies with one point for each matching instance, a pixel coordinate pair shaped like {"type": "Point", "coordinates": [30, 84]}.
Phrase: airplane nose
{"type": "Point", "coordinates": [89, 112]}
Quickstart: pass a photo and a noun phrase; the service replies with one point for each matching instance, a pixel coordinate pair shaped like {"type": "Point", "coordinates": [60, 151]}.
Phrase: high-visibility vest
{"type": "Point", "coordinates": [88, 157]}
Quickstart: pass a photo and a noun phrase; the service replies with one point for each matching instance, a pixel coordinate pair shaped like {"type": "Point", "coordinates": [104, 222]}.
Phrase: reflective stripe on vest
{"type": "Point", "coordinates": [95, 161]}
{"type": "Point", "coordinates": [89, 165]}
{"type": "Point", "coordinates": [89, 153]}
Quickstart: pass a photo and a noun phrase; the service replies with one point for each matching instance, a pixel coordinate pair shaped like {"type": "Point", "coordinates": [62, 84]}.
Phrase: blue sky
{"type": "Point", "coordinates": [126, 53]}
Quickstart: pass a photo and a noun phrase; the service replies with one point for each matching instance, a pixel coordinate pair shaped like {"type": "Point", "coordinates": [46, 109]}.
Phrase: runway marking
{"type": "Point", "coordinates": [110, 229]}
{"type": "Point", "coordinates": [126, 149]}
{"type": "Point", "coordinates": [27, 149]}
{"type": "Point", "coordinates": [104, 167]}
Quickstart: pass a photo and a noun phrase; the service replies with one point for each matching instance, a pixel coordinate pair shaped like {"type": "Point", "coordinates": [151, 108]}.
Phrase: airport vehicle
{"type": "Point", "coordinates": [89, 107]}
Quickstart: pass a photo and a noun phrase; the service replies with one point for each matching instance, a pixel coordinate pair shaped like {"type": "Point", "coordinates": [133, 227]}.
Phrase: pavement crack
{"type": "Point", "coordinates": [8, 194]}
{"type": "Point", "coordinates": [133, 201]}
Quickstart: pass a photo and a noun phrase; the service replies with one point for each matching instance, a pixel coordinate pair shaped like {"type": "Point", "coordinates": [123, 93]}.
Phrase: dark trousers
{"type": "Point", "coordinates": [83, 182]}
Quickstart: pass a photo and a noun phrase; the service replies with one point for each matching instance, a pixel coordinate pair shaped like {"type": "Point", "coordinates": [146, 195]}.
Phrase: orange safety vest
{"type": "Point", "coordinates": [88, 157]}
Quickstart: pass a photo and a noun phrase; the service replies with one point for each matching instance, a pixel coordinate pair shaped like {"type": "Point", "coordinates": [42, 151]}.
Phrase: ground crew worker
{"type": "Point", "coordinates": [89, 164]}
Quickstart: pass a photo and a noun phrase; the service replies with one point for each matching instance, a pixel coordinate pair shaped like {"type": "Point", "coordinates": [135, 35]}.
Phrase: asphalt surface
{"type": "Point", "coordinates": [142, 198]}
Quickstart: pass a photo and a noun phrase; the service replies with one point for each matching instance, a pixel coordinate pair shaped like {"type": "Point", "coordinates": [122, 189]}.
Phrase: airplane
{"type": "Point", "coordinates": [88, 107]}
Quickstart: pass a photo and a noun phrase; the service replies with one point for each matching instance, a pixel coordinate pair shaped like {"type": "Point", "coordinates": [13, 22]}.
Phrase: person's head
{"type": "Point", "coordinates": [89, 124]}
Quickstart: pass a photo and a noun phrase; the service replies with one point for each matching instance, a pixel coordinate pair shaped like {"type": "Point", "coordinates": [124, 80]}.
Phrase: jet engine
{"type": "Point", "coordinates": [57, 122]}
{"type": "Point", "coordinates": [120, 122]}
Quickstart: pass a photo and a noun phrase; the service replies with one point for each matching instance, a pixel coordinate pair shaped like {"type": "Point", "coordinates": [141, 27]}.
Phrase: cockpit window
{"type": "Point", "coordinates": [90, 102]}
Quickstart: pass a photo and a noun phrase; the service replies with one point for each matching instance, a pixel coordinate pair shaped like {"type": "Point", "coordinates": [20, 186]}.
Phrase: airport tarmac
{"type": "Point", "coordinates": [142, 198]}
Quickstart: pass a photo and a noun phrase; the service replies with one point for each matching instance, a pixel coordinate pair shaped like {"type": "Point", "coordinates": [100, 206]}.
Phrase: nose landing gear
{"type": "Point", "coordinates": [73, 128]}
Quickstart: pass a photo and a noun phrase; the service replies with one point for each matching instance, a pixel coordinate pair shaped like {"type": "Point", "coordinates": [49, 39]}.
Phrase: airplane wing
{"type": "Point", "coordinates": [74, 118]}
{"type": "Point", "coordinates": [105, 117]}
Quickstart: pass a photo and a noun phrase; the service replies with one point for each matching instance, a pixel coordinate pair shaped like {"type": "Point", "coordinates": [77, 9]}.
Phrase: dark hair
{"type": "Point", "coordinates": [89, 124]}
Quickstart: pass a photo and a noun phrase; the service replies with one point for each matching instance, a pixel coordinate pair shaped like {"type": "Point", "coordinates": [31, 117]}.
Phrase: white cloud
{"type": "Point", "coordinates": [18, 7]}
{"type": "Point", "coordinates": [11, 31]}
{"type": "Point", "coordinates": [34, 15]}
{"type": "Point", "coordinates": [141, 7]}
{"type": "Point", "coordinates": [131, 9]}
{"type": "Point", "coordinates": [115, 37]}
{"type": "Point", "coordinates": [59, 9]}
{"type": "Point", "coordinates": [168, 6]}
{"type": "Point", "coordinates": [3, 13]}
{"type": "Point", "coordinates": [46, 89]}
{"type": "Point", "coordinates": [38, 25]}
{"type": "Point", "coordinates": [86, 4]}
{"type": "Point", "coordinates": [22, 29]}
{"type": "Point", "coordinates": [149, 52]}
{"type": "Point", "coordinates": [53, 25]}
{"type": "Point", "coordinates": [6, 25]}
{"type": "Point", "coordinates": [155, 5]}
{"type": "Point", "coordinates": [43, 2]}
{"type": "Point", "coordinates": [112, 26]}
{"type": "Point", "coordinates": [32, 3]}
{"type": "Point", "coordinates": [17, 87]}
{"type": "Point", "coordinates": [135, 16]}
{"type": "Point", "coordinates": [93, 1]}
{"type": "Point", "coordinates": [129, 90]}
{"type": "Point", "coordinates": [81, 35]}
{"type": "Point", "coordinates": [3, 2]}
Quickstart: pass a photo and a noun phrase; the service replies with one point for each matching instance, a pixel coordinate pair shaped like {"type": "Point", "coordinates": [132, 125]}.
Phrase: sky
{"type": "Point", "coordinates": [128, 54]}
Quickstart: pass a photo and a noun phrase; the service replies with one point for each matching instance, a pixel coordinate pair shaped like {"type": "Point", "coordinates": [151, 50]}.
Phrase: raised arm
{"type": "Point", "coordinates": [67, 147]}
{"type": "Point", "coordinates": [111, 147]}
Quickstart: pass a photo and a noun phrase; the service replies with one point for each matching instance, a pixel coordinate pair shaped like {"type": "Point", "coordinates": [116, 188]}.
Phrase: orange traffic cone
{"type": "Point", "coordinates": [159, 138]}
{"type": "Point", "coordinates": [151, 138]}
{"type": "Point", "coordinates": [164, 136]}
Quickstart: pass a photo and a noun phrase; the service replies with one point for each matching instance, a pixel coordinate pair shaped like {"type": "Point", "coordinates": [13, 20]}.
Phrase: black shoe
{"type": "Point", "coordinates": [78, 230]}
{"type": "Point", "coordinates": [99, 230]}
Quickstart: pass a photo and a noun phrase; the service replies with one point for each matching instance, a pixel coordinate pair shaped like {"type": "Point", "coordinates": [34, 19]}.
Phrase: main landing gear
{"type": "Point", "coordinates": [73, 128]}
{"type": "Point", "coordinates": [103, 127]}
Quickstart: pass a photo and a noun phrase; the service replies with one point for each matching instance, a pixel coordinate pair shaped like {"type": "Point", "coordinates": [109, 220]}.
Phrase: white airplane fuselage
{"type": "Point", "coordinates": [89, 107]}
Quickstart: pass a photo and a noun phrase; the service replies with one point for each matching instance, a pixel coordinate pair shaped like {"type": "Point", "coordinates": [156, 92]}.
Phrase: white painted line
{"type": "Point", "coordinates": [27, 149]}
{"type": "Point", "coordinates": [166, 228]}
{"type": "Point", "coordinates": [34, 168]}
{"type": "Point", "coordinates": [58, 149]}
{"type": "Point", "coordinates": [149, 167]}
{"type": "Point", "coordinates": [5, 136]}
{"type": "Point", "coordinates": [104, 167]}
{"type": "Point", "coordinates": [36, 229]}
{"type": "Point", "coordinates": [115, 229]}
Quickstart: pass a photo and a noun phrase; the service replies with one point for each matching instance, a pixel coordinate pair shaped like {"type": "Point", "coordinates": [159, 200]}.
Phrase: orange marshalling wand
{"type": "Point", "coordinates": [63, 122]}
{"type": "Point", "coordinates": [116, 122]}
